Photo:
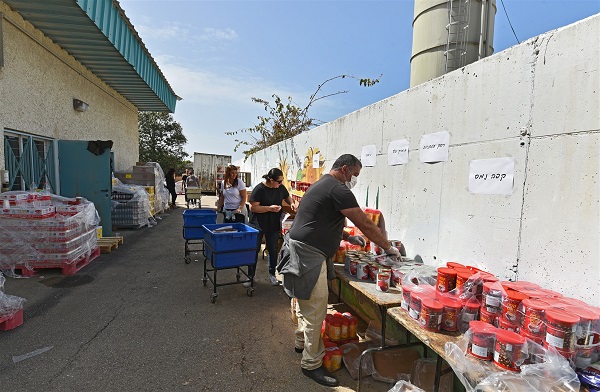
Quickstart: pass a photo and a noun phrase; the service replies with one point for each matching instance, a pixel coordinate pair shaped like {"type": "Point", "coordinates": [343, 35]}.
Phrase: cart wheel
{"type": "Point", "coordinates": [237, 277]}
{"type": "Point", "coordinates": [213, 298]}
{"type": "Point", "coordinates": [204, 281]}
{"type": "Point", "coordinates": [188, 259]}
{"type": "Point", "coordinates": [249, 292]}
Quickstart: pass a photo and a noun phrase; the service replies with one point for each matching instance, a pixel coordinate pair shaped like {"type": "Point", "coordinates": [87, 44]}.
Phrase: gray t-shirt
{"type": "Point", "coordinates": [318, 221]}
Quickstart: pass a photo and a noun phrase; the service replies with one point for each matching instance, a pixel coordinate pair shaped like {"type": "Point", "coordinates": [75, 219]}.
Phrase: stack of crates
{"type": "Point", "coordinates": [230, 249]}
{"type": "Point", "coordinates": [150, 191]}
{"type": "Point", "coordinates": [193, 220]}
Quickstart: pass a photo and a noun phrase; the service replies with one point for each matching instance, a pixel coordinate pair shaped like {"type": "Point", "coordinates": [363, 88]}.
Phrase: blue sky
{"type": "Point", "coordinates": [218, 54]}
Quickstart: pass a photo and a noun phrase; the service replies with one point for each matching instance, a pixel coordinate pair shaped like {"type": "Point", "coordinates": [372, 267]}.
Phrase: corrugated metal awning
{"type": "Point", "coordinates": [99, 35]}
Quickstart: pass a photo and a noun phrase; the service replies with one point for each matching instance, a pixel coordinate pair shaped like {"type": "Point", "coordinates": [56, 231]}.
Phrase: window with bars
{"type": "Point", "coordinates": [29, 160]}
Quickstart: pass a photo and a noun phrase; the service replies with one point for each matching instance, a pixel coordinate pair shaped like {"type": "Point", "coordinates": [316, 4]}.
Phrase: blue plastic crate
{"type": "Point", "coordinates": [245, 237]}
{"type": "Point", "coordinates": [231, 259]}
{"type": "Point", "coordinates": [193, 221]}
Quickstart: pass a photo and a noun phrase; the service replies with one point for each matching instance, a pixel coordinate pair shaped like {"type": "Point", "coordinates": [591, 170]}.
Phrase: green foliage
{"type": "Point", "coordinates": [285, 120]}
{"type": "Point", "coordinates": [162, 140]}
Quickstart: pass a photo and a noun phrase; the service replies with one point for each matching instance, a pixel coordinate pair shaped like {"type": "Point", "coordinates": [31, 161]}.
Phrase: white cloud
{"type": "Point", "coordinates": [212, 34]}
{"type": "Point", "coordinates": [228, 86]}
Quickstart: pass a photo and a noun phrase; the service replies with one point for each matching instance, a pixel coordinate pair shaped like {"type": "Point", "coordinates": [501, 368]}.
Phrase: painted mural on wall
{"type": "Point", "coordinates": [309, 169]}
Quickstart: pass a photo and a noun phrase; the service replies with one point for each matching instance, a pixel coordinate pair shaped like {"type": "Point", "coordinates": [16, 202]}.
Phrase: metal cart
{"type": "Point", "coordinates": [192, 192]}
{"type": "Point", "coordinates": [229, 250]}
{"type": "Point", "coordinates": [244, 259]}
{"type": "Point", "coordinates": [193, 234]}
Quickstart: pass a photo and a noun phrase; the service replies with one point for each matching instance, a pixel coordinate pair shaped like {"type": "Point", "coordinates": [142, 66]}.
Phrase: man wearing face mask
{"type": "Point", "coordinates": [313, 239]}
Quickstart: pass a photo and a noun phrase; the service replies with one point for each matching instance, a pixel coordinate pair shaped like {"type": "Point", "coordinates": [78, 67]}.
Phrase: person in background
{"type": "Point", "coordinates": [192, 180]}
{"type": "Point", "coordinates": [265, 204]}
{"type": "Point", "coordinates": [313, 239]}
{"type": "Point", "coordinates": [184, 177]}
{"type": "Point", "coordinates": [170, 180]}
{"type": "Point", "coordinates": [232, 196]}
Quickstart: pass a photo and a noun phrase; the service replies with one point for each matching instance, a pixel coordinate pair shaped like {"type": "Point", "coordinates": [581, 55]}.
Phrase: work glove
{"type": "Point", "coordinates": [393, 252]}
{"type": "Point", "coordinates": [357, 240]}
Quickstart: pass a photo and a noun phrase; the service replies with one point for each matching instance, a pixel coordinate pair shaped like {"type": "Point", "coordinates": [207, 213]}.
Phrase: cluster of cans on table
{"type": "Point", "coordinates": [517, 320]}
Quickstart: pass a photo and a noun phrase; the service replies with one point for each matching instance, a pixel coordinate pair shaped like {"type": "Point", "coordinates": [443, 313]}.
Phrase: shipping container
{"type": "Point", "coordinates": [210, 170]}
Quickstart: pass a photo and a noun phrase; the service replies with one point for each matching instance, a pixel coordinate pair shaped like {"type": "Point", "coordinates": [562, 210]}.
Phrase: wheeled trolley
{"type": "Point", "coordinates": [229, 246]}
{"type": "Point", "coordinates": [193, 193]}
{"type": "Point", "coordinates": [193, 233]}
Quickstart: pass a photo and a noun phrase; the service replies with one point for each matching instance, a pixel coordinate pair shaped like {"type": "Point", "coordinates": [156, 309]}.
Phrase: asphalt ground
{"type": "Point", "coordinates": [139, 319]}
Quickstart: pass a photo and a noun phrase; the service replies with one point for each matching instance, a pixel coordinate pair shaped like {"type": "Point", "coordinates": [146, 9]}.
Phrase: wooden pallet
{"type": "Point", "coordinates": [107, 244]}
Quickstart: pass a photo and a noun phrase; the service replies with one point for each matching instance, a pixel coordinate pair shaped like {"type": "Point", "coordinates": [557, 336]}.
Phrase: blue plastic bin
{"type": "Point", "coordinates": [193, 221]}
{"type": "Point", "coordinates": [231, 259]}
{"type": "Point", "coordinates": [245, 238]}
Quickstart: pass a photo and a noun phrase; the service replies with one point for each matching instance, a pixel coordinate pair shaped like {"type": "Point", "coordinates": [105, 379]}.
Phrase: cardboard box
{"type": "Point", "coordinates": [395, 364]}
{"type": "Point", "coordinates": [145, 170]}
{"type": "Point", "coordinates": [423, 375]}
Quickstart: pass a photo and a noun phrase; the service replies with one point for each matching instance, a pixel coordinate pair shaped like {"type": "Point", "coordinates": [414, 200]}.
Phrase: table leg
{"type": "Point", "coordinates": [438, 374]}
{"type": "Point", "coordinates": [383, 310]}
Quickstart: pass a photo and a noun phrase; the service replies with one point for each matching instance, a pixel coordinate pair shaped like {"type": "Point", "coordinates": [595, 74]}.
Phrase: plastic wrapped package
{"type": "Point", "coordinates": [541, 369]}
{"type": "Point", "coordinates": [131, 206]}
{"type": "Point", "coordinates": [9, 304]}
{"type": "Point", "coordinates": [351, 354]}
{"type": "Point", "coordinates": [405, 386]}
{"type": "Point", "coordinates": [162, 196]}
{"type": "Point", "coordinates": [33, 237]}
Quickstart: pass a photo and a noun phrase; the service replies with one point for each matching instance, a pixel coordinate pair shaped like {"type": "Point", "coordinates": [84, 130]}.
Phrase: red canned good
{"type": "Point", "coordinates": [535, 338]}
{"type": "Point", "coordinates": [353, 266]}
{"type": "Point", "coordinates": [383, 280]}
{"type": "Point", "coordinates": [414, 309]}
{"type": "Point", "coordinates": [397, 276]}
{"type": "Point", "coordinates": [585, 327]}
{"type": "Point", "coordinates": [462, 277]}
{"type": "Point", "coordinates": [481, 341]}
{"type": "Point", "coordinates": [509, 350]}
{"type": "Point", "coordinates": [406, 289]}
{"type": "Point", "coordinates": [362, 270]}
{"type": "Point", "coordinates": [452, 308]}
{"type": "Point", "coordinates": [452, 264]}
{"type": "Point", "coordinates": [510, 305]}
{"type": "Point", "coordinates": [373, 269]}
{"type": "Point", "coordinates": [446, 279]}
{"type": "Point", "coordinates": [487, 317]}
{"type": "Point", "coordinates": [532, 312]}
{"type": "Point", "coordinates": [507, 325]}
{"type": "Point", "coordinates": [487, 277]}
{"type": "Point", "coordinates": [492, 297]}
{"type": "Point", "coordinates": [560, 329]}
{"type": "Point", "coordinates": [430, 316]}
{"type": "Point", "coordinates": [470, 312]}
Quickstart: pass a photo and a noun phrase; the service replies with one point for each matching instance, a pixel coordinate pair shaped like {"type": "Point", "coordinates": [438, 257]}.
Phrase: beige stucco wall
{"type": "Point", "coordinates": [38, 83]}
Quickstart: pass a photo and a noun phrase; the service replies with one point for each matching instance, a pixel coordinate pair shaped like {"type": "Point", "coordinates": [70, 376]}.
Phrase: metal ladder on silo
{"type": "Point", "coordinates": [457, 30]}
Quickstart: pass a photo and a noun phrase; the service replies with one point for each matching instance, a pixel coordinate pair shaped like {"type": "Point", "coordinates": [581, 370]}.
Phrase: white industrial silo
{"type": "Point", "coordinates": [448, 35]}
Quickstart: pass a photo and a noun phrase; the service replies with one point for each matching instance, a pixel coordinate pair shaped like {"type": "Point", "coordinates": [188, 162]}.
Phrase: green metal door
{"type": "Point", "coordinates": [30, 162]}
{"type": "Point", "coordinates": [87, 174]}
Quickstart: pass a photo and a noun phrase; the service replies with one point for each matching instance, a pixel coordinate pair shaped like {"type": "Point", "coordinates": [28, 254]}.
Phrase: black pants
{"type": "Point", "coordinates": [173, 195]}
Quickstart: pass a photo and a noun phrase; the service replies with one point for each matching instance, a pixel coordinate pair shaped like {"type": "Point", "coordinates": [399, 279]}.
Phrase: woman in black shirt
{"type": "Point", "coordinates": [265, 204]}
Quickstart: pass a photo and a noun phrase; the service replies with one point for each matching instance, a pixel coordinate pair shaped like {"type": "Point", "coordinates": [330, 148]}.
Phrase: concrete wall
{"type": "Point", "coordinates": [38, 83]}
{"type": "Point", "coordinates": [536, 102]}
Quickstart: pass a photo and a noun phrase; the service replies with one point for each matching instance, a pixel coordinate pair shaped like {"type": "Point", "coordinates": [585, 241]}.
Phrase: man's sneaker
{"type": "Point", "coordinates": [274, 280]}
{"type": "Point", "coordinates": [247, 284]}
{"type": "Point", "coordinates": [322, 376]}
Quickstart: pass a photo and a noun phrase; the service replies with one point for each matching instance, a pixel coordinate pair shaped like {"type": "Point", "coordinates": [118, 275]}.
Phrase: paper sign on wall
{"type": "Point", "coordinates": [398, 152]}
{"type": "Point", "coordinates": [368, 155]}
{"type": "Point", "coordinates": [434, 147]}
{"type": "Point", "coordinates": [494, 176]}
{"type": "Point", "coordinates": [315, 161]}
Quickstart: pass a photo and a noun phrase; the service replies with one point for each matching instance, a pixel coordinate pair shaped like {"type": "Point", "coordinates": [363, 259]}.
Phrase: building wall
{"type": "Point", "coordinates": [38, 83]}
{"type": "Point", "coordinates": [536, 102]}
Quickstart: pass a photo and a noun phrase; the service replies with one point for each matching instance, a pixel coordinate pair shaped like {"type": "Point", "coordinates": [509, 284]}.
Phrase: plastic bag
{"type": "Point", "coordinates": [351, 355]}
{"type": "Point", "coordinates": [405, 386]}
